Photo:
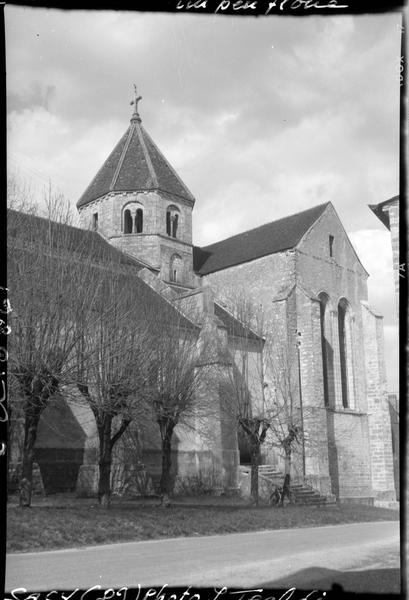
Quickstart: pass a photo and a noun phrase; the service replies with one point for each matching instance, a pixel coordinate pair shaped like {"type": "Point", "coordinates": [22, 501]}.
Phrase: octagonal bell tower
{"type": "Point", "coordinates": [139, 203]}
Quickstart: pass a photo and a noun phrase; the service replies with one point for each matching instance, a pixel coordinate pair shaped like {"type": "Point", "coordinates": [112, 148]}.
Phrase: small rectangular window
{"type": "Point", "coordinates": [331, 245]}
{"type": "Point", "coordinates": [95, 221]}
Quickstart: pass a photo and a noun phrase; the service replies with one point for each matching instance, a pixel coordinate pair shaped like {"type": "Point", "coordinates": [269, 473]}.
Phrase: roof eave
{"type": "Point", "coordinates": [243, 262]}
{"type": "Point", "coordinates": [81, 203]}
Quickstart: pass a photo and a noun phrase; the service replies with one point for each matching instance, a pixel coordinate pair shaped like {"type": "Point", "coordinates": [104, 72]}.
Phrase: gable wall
{"type": "Point", "coordinates": [343, 457]}
{"type": "Point", "coordinates": [341, 276]}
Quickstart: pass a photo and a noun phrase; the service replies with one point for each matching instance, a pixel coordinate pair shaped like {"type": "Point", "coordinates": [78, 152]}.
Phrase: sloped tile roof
{"type": "Point", "coordinates": [234, 326]}
{"type": "Point", "coordinates": [58, 428]}
{"type": "Point", "coordinates": [33, 229]}
{"type": "Point", "coordinates": [277, 236]}
{"type": "Point", "coordinates": [26, 232]}
{"type": "Point", "coordinates": [135, 164]}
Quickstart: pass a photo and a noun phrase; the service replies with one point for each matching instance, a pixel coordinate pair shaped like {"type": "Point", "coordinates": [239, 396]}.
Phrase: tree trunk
{"type": "Point", "coordinates": [287, 462]}
{"type": "Point", "coordinates": [105, 459]}
{"type": "Point", "coordinates": [255, 459]}
{"type": "Point", "coordinates": [32, 417]}
{"type": "Point", "coordinates": [287, 476]}
{"type": "Point", "coordinates": [165, 484]}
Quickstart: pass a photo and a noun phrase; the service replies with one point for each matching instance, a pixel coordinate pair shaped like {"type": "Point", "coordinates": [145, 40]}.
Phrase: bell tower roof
{"type": "Point", "coordinates": [135, 164]}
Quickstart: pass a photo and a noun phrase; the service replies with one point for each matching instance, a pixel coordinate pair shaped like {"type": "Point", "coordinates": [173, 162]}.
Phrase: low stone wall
{"type": "Point", "coordinates": [265, 486]}
{"type": "Point", "coordinates": [193, 472]}
{"type": "Point", "coordinates": [365, 500]}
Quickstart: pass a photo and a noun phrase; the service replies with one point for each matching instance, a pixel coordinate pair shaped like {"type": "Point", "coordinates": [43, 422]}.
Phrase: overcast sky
{"type": "Point", "coordinates": [261, 117]}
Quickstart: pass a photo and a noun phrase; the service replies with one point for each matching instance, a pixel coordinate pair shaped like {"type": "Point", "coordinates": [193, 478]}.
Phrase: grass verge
{"type": "Point", "coordinates": [52, 527]}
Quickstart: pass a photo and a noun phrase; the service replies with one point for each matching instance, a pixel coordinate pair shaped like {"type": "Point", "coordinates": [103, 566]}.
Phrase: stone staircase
{"type": "Point", "coordinates": [301, 492]}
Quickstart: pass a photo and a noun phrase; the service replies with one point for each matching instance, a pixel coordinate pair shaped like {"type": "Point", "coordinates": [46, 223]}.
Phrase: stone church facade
{"type": "Point", "coordinates": [305, 275]}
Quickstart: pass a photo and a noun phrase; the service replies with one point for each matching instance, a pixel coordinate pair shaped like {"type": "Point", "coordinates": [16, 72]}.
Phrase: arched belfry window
{"type": "Point", "coordinates": [327, 350]}
{"type": "Point", "coordinates": [175, 268]}
{"type": "Point", "coordinates": [132, 218]}
{"type": "Point", "coordinates": [172, 220]}
{"type": "Point", "coordinates": [139, 221]}
{"type": "Point", "coordinates": [345, 353]}
{"type": "Point", "coordinates": [127, 221]}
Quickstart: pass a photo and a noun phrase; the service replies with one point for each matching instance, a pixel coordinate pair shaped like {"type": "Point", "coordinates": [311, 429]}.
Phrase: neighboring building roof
{"type": "Point", "coordinates": [277, 236]}
{"type": "Point", "coordinates": [135, 164]}
{"type": "Point", "coordinates": [393, 399]}
{"type": "Point", "coordinates": [381, 210]}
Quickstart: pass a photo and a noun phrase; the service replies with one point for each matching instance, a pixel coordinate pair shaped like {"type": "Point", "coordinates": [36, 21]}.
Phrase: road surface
{"type": "Point", "coordinates": [293, 557]}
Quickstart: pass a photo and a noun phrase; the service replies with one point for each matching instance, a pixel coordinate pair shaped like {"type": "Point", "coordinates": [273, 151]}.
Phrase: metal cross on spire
{"type": "Point", "coordinates": [135, 101]}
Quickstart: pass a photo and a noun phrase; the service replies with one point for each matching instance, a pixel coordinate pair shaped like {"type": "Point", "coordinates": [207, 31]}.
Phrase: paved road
{"type": "Point", "coordinates": [242, 559]}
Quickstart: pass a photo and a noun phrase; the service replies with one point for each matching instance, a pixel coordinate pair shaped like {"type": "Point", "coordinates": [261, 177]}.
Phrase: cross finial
{"type": "Point", "coordinates": [135, 101]}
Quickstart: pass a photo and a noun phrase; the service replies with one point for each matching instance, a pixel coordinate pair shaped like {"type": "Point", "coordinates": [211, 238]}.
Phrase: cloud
{"type": "Point", "coordinates": [47, 148]}
{"type": "Point", "coordinates": [375, 252]}
{"type": "Point", "coordinates": [260, 117]}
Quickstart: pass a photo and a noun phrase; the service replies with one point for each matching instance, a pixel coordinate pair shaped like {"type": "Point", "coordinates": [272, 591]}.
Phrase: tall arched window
{"type": "Point", "coordinates": [327, 350]}
{"type": "Point", "coordinates": [127, 221]}
{"type": "Point", "coordinates": [345, 353]}
{"type": "Point", "coordinates": [132, 218]}
{"type": "Point", "coordinates": [175, 269]}
{"type": "Point", "coordinates": [172, 220]}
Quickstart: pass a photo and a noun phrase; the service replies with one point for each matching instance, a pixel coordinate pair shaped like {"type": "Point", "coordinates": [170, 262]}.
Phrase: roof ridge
{"type": "Point", "coordinates": [135, 164]}
{"type": "Point", "coordinates": [184, 186]}
{"type": "Point", "coordinates": [48, 220]}
{"type": "Point", "coordinates": [140, 131]}
{"type": "Point", "coordinates": [281, 235]}
{"type": "Point", "coordinates": [80, 201]}
{"type": "Point", "coordinates": [265, 225]}
{"type": "Point", "coordinates": [131, 130]}
{"type": "Point", "coordinates": [238, 319]}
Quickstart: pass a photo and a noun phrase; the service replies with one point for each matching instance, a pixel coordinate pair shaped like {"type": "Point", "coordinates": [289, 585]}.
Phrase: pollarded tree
{"type": "Point", "coordinates": [263, 385]}
{"type": "Point", "coordinates": [244, 381]}
{"type": "Point", "coordinates": [283, 392]}
{"type": "Point", "coordinates": [180, 368]}
{"type": "Point", "coordinates": [113, 362]}
{"type": "Point", "coordinates": [48, 281]}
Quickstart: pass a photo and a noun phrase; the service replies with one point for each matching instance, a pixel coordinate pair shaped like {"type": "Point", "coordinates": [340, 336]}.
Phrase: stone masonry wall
{"type": "Point", "coordinates": [243, 350]}
{"type": "Point", "coordinates": [394, 227]}
{"type": "Point", "coordinates": [314, 414]}
{"type": "Point", "coordinates": [353, 455]}
{"type": "Point", "coordinates": [261, 280]}
{"type": "Point", "coordinates": [337, 450]}
{"type": "Point", "coordinates": [153, 245]}
{"type": "Point", "coordinates": [380, 437]}
{"type": "Point", "coordinates": [154, 205]}
{"type": "Point", "coordinates": [340, 276]}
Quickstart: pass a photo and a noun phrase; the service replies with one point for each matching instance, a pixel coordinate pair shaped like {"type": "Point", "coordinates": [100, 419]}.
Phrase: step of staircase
{"type": "Point", "coordinates": [302, 493]}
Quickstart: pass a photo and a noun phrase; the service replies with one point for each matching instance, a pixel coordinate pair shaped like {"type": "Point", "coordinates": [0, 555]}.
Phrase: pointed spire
{"type": "Point", "coordinates": [135, 164]}
{"type": "Point", "coordinates": [135, 116]}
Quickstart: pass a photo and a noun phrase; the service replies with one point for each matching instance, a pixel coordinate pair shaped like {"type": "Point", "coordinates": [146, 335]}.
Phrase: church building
{"type": "Point", "coordinates": [304, 274]}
